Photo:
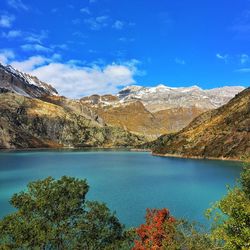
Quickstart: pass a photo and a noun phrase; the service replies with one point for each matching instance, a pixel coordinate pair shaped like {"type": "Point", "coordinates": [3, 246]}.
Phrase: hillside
{"type": "Point", "coordinates": [154, 111]}
{"type": "Point", "coordinates": [32, 123]}
{"type": "Point", "coordinates": [220, 133]}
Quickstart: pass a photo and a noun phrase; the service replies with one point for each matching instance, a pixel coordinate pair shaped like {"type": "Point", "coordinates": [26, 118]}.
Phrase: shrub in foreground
{"type": "Point", "coordinates": [231, 215]}
{"type": "Point", "coordinates": [53, 214]}
{"type": "Point", "coordinates": [162, 231]}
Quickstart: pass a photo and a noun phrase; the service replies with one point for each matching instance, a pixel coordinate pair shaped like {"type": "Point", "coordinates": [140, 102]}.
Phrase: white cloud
{"type": "Point", "coordinates": [244, 58]}
{"type": "Point", "coordinates": [126, 39]}
{"type": "Point", "coordinates": [96, 23]}
{"type": "Point", "coordinates": [85, 10]}
{"type": "Point", "coordinates": [222, 57]}
{"type": "Point", "coordinates": [74, 80]}
{"type": "Point", "coordinates": [35, 47]}
{"type": "Point", "coordinates": [36, 37]}
{"type": "Point", "coordinates": [180, 61]}
{"type": "Point", "coordinates": [12, 34]}
{"type": "Point", "coordinates": [30, 64]}
{"type": "Point", "coordinates": [118, 25]}
{"type": "Point", "coordinates": [6, 20]}
{"type": "Point", "coordinates": [6, 55]}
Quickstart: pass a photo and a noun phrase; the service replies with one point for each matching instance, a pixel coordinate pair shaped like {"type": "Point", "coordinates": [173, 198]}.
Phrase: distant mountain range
{"type": "Point", "coordinates": [157, 110]}
{"type": "Point", "coordinates": [33, 114]}
{"type": "Point", "coordinates": [162, 97]}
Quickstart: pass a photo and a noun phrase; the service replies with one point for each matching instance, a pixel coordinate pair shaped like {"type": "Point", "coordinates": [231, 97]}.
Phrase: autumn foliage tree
{"type": "Point", "coordinates": [158, 232]}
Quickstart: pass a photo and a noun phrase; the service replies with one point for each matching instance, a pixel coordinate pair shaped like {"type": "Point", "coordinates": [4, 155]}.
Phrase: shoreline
{"type": "Point", "coordinates": [122, 148]}
{"type": "Point", "coordinates": [72, 148]}
{"type": "Point", "coordinates": [197, 157]}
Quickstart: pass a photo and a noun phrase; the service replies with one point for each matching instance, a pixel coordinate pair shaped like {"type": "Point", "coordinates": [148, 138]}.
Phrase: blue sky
{"type": "Point", "coordinates": [98, 46]}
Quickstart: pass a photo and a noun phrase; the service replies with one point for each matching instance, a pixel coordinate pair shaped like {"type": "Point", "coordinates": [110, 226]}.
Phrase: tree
{"type": "Point", "coordinates": [53, 214]}
{"type": "Point", "coordinates": [159, 230]}
{"type": "Point", "coordinates": [162, 231]}
{"type": "Point", "coordinates": [231, 215]}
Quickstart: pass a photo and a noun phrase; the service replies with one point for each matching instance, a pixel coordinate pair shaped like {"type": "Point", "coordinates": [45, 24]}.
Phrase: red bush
{"type": "Point", "coordinates": [158, 231]}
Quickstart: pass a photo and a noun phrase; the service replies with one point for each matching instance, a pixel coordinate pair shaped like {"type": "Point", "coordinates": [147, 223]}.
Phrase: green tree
{"type": "Point", "coordinates": [231, 215]}
{"type": "Point", "coordinates": [53, 214]}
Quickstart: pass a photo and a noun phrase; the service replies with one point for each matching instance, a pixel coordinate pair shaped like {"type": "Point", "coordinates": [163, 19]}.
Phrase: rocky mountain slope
{"type": "Point", "coordinates": [31, 123]}
{"type": "Point", "coordinates": [158, 110]}
{"type": "Point", "coordinates": [133, 116]}
{"type": "Point", "coordinates": [23, 84]}
{"type": "Point", "coordinates": [219, 133]}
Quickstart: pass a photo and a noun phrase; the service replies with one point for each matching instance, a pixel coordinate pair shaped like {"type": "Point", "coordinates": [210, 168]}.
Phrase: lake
{"type": "Point", "coordinates": [128, 182]}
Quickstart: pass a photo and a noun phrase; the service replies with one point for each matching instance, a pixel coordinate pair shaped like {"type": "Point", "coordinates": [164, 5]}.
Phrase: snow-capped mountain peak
{"type": "Point", "coordinates": [164, 97]}
{"type": "Point", "coordinates": [23, 84]}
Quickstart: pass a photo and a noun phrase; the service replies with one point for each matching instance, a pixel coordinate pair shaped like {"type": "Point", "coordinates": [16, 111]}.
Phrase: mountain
{"type": "Point", "coordinates": [134, 116]}
{"type": "Point", "coordinates": [32, 123]}
{"type": "Point", "coordinates": [33, 114]}
{"type": "Point", "coordinates": [23, 84]}
{"type": "Point", "coordinates": [219, 133]}
{"type": "Point", "coordinates": [162, 97]}
{"type": "Point", "coordinates": [154, 111]}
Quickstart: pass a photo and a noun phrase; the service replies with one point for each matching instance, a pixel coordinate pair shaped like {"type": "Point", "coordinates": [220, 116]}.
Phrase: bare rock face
{"type": "Point", "coordinates": [23, 84]}
{"type": "Point", "coordinates": [163, 97]}
{"type": "Point", "coordinates": [219, 133]}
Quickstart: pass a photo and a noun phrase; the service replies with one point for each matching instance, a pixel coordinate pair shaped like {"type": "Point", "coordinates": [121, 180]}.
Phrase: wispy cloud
{"type": "Point", "coordinates": [85, 11]}
{"type": "Point", "coordinates": [36, 37]}
{"type": "Point", "coordinates": [241, 26]}
{"type": "Point", "coordinates": [126, 39]}
{"type": "Point", "coordinates": [12, 34]}
{"type": "Point", "coordinates": [165, 18]}
{"type": "Point", "coordinates": [222, 57]}
{"type": "Point", "coordinates": [243, 70]}
{"type": "Point", "coordinates": [6, 55]}
{"type": "Point", "coordinates": [244, 58]}
{"type": "Point", "coordinates": [96, 23]}
{"type": "Point", "coordinates": [35, 47]}
{"type": "Point", "coordinates": [118, 25]}
{"type": "Point", "coordinates": [179, 61]}
{"type": "Point", "coordinates": [6, 20]}
{"type": "Point", "coordinates": [17, 4]}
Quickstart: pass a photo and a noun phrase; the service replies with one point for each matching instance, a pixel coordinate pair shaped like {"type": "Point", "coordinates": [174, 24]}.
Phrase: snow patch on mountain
{"type": "Point", "coordinates": [23, 84]}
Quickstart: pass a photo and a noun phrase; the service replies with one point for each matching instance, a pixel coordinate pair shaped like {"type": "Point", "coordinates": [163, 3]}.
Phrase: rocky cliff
{"type": "Point", "coordinates": [220, 133]}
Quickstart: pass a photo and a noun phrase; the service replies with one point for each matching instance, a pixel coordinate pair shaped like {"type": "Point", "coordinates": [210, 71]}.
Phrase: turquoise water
{"type": "Point", "coordinates": [128, 182]}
